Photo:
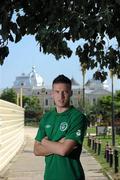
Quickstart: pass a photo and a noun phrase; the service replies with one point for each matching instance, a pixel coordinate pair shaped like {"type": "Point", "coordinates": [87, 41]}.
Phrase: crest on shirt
{"type": "Point", "coordinates": [63, 126]}
{"type": "Point", "coordinates": [78, 132]}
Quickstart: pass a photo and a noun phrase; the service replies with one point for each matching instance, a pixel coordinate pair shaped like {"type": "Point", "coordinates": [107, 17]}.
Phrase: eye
{"type": "Point", "coordinates": [56, 92]}
{"type": "Point", "coordinates": [65, 92]}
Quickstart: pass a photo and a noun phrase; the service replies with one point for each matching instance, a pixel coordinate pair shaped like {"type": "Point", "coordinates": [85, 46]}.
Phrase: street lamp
{"type": "Point", "coordinates": [43, 99]}
{"type": "Point", "coordinates": [18, 99]}
{"type": "Point", "coordinates": [83, 69]}
{"type": "Point", "coordinates": [113, 117]}
{"type": "Point", "coordinates": [21, 94]}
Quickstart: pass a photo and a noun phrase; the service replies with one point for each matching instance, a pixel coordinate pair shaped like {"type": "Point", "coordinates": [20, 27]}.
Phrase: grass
{"type": "Point", "coordinates": [91, 130]}
{"type": "Point", "coordinates": [100, 158]}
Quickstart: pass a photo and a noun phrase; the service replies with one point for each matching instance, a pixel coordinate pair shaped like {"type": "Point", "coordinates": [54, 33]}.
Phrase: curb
{"type": "Point", "coordinates": [108, 175]}
{"type": "Point", "coordinates": [103, 171]}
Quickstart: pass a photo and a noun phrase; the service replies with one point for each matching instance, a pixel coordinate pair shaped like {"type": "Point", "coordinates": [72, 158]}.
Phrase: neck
{"type": "Point", "coordinates": [62, 109]}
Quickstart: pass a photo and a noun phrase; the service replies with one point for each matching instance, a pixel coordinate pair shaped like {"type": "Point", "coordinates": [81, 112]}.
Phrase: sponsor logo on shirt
{"type": "Point", "coordinates": [63, 126]}
{"type": "Point", "coordinates": [47, 126]}
{"type": "Point", "coordinates": [78, 132]}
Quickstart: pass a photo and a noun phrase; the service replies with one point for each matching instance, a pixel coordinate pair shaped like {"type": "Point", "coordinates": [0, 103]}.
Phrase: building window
{"type": "Point", "coordinates": [71, 102]}
{"type": "Point", "coordinates": [46, 102]}
{"type": "Point", "coordinates": [94, 100]}
{"type": "Point", "coordinates": [78, 92]}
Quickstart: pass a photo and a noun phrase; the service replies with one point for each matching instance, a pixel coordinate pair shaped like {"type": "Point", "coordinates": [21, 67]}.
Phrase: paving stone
{"type": "Point", "coordinates": [25, 166]}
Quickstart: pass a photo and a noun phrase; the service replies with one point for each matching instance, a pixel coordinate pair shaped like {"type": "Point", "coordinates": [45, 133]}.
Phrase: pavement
{"type": "Point", "coordinates": [26, 166]}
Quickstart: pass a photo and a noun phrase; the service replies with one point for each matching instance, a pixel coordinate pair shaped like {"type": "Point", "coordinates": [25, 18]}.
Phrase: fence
{"type": "Point", "coordinates": [11, 131]}
{"type": "Point", "coordinates": [111, 155]}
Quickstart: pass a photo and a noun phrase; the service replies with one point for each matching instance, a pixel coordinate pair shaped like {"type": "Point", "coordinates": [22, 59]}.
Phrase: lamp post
{"type": "Point", "coordinates": [113, 118]}
{"type": "Point", "coordinates": [83, 69]}
{"type": "Point", "coordinates": [18, 99]}
{"type": "Point", "coordinates": [21, 94]}
{"type": "Point", "coordinates": [43, 99]}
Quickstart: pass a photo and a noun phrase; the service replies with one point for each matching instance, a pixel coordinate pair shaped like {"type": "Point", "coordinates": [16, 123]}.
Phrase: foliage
{"type": "Point", "coordinates": [32, 107]}
{"type": "Point", "coordinates": [105, 104]}
{"type": "Point", "coordinates": [54, 23]}
{"type": "Point", "coordinates": [103, 108]}
{"type": "Point", "coordinates": [9, 94]}
{"type": "Point", "coordinates": [117, 103]}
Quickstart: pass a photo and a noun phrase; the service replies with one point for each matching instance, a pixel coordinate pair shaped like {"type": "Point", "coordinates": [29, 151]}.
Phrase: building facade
{"type": "Point", "coordinates": [33, 85]}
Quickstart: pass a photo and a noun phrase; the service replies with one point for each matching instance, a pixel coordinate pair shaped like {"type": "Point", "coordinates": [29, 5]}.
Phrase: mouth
{"type": "Point", "coordinates": [61, 101]}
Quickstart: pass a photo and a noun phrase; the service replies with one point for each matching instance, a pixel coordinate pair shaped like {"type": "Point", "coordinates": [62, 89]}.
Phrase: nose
{"type": "Point", "coordinates": [62, 95]}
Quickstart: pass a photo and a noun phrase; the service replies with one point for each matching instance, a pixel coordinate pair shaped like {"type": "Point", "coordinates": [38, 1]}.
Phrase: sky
{"type": "Point", "coordinates": [25, 54]}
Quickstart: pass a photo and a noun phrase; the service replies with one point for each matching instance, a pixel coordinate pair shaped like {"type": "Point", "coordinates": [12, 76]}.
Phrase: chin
{"type": "Point", "coordinates": [63, 105]}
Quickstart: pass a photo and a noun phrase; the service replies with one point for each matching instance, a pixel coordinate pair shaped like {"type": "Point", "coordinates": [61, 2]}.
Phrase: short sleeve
{"type": "Point", "coordinates": [77, 129]}
{"type": "Point", "coordinates": [41, 131]}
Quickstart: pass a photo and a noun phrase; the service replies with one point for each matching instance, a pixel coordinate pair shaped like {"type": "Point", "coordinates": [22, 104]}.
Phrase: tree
{"type": "Point", "coordinates": [117, 103]}
{"type": "Point", "coordinates": [103, 108]}
{"type": "Point", "coordinates": [32, 107]}
{"type": "Point", "coordinates": [54, 23]}
{"type": "Point", "coordinates": [9, 94]}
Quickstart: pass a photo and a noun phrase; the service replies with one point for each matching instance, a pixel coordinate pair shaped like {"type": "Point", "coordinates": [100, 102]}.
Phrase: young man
{"type": "Point", "coordinates": [60, 135]}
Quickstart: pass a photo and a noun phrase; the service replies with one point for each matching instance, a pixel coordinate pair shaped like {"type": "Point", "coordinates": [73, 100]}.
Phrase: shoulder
{"type": "Point", "coordinates": [78, 115]}
{"type": "Point", "coordinates": [48, 114]}
{"type": "Point", "coordinates": [45, 118]}
{"type": "Point", "coordinates": [76, 112]}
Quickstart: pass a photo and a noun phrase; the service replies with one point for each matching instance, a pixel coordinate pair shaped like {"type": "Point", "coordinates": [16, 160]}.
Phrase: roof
{"type": "Point", "coordinates": [74, 82]}
{"type": "Point", "coordinates": [32, 80]}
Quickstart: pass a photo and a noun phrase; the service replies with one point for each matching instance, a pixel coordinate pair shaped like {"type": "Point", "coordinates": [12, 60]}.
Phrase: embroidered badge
{"type": "Point", "coordinates": [63, 126]}
{"type": "Point", "coordinates": [78, 133]}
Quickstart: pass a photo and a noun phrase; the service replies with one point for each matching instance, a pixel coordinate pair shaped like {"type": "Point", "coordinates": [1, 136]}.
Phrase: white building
{"type": "Point", "coordinates": [33, 85]}
{"type": "Point", "coordinates": [94, 89]}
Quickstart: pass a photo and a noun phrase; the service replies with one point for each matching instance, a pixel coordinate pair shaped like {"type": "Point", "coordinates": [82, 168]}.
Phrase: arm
{"type": "Point", "coordinates": [40, 150]}
{"type": "Point", "coordinates": [62, 147]}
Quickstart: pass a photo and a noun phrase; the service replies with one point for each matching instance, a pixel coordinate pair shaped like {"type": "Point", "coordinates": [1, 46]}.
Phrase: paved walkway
{"type": "Point", "coordinates": [25, 166]}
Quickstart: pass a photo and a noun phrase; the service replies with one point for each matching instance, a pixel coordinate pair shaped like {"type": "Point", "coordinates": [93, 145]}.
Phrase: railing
{"type": "Point", "coordinates": [11, 131]}
{"type": "Point", "coordinates": [111, 154]}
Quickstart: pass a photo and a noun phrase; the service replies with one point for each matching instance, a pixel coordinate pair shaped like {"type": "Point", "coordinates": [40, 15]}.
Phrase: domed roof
{"type": "Point", "coordinates": [35, 79]}
{"type": "Point", "coordinates": [106, 85]}
{"type": "Point", "coordinates": [74, 82]}
{"type": "Point", "coordinates": [94, 84]}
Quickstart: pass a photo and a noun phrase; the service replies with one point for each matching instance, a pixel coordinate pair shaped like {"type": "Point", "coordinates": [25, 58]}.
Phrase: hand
{"type": "Point", "coordinates": [45, 138]}
{"type": "Point", "coordinates": [62, 140]}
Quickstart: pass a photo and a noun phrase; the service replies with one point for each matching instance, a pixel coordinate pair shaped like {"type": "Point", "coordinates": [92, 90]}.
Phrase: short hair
{"type": "Point", "coordinates": [62, 79]}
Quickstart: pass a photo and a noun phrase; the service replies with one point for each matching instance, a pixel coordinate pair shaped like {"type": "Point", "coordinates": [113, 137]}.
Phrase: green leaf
{"type": "Point", "coordinates": [18, 37]}
{"type": "Point", "coordinates": [13, 27]}
{"type": "Point", "coordinates": [11, 38]}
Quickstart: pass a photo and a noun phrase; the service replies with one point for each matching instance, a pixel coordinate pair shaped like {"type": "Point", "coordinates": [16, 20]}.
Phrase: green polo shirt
{"type": "Point", "coordinates": [70, 124]}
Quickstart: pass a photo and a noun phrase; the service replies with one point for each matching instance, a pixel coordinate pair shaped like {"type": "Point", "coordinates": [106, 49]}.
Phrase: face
{"type": "Point", "coordinates": [61, 95]}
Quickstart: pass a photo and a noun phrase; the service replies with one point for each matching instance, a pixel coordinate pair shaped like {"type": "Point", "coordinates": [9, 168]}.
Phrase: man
{"type": "Point", "coordinates": [60, 135]}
